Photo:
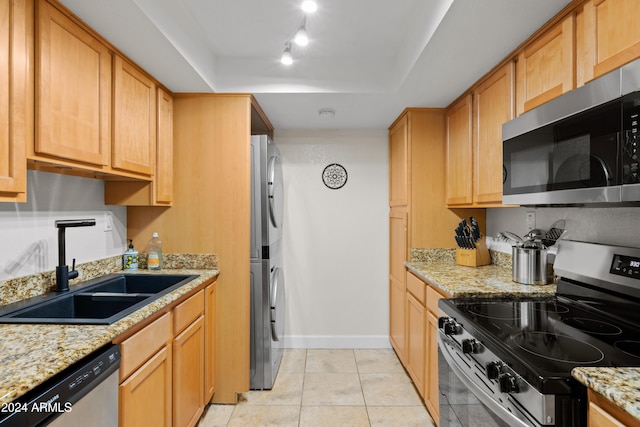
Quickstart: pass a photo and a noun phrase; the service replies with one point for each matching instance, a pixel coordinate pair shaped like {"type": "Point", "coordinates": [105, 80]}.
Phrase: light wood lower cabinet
{"type": "Point", "coordinates": [166, 370]}
{"type": "Point", "coordinates": [188, 361]}
{"type": "Point", "coordinates": [422, 340]}
{"type": "Point", "coordinates": [431, 389]}
{"type": "Point", "coordinates": [416, 331]}
{"type": "Point", "coordinates": [145, 392]}
{"type": "Point", "coordinates": [603, 413]}
{"type": "Point", "coordinates": [397, 287]}
{"type": "Point", "coordinates": [209, 342]}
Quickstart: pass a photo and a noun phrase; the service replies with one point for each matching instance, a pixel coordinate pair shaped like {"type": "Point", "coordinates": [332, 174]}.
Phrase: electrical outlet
{"type": "Point", "coordinates": [531, 220]}
{"type": "Point", "coordinates": [108, 221]}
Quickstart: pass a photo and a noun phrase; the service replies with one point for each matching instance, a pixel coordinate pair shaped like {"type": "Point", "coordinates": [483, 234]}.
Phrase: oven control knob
{"type": "Point", "coordinates": [508, 383]}
{"type": "Point", "coordinates": [452, 327]}
{"type": "Point", "coordinates": [442, 321]}
{"type": "Point", "coordinates": [472, 346]}
{"type": "Point", "coordinates": [494, 369]}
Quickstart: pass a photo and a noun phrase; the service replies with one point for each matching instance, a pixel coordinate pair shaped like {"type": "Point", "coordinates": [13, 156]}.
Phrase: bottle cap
{"type": "Point", "coordinates": [155, 235]}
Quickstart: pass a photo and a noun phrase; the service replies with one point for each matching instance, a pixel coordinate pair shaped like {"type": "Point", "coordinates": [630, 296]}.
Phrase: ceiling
{"type": "Point", "coordinates": [367, 59]}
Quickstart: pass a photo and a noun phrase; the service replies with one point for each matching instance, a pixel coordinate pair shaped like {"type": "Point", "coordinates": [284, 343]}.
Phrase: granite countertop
{"type": "Point", "coordinates": [485, 281]}
{"type": "Point", "coordinates": [621, 386]}
{"type": "Point", "coordinates": [30, 354]}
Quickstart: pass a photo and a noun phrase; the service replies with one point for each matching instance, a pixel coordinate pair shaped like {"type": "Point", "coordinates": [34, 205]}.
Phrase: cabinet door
{"type": "Point", "coordinates": [546, 68]}
{"type": "Point", "coordinates": [611, 35]}
{"type": "Point", "coordinates": [188, 375]}
{"type": "Point", "coordinates": [163, 179]}
{"type": "Point", "coordinates": [494, 105]}
{"type": "Point", "coordinates": [416, 346]}
{"type": "Point", "coordinates": [209, 341]}
{"type": "Point", "coordinates": [134, 119]}
{"type": "Point", "coordinates": [397, 285]}
{"type": "Point", "coordinates": [459, 153]}
{"type": "Point", "coordinates": [145, 397]}
{"type": "Point", "coordinates": [398, 161]}
{"type": "Point", "coordinates": [431, 378]}
{"type": "Point", "coordinates": [16, 97]}
{"type": "Point", "coordinates": [73, 89]}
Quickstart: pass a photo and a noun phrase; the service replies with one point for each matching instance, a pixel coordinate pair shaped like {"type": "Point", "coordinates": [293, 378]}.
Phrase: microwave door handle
{"type": "Point", "coordinates": [480, 394]}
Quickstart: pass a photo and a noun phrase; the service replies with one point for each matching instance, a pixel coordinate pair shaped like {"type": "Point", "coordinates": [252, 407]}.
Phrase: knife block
{"type": "Point", "coordinates": [474, 257]}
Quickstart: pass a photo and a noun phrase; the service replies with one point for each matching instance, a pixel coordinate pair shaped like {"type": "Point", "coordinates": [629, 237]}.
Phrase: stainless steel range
{"type": "Point", "coordinates": [508, 362]}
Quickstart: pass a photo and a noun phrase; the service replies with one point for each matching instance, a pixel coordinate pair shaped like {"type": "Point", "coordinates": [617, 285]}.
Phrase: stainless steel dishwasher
{"type": "Point", "coordinates": [84, 394]}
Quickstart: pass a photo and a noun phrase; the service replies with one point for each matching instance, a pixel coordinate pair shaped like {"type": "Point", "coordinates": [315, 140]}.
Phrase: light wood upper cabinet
{"type": "Point", "coordinates": [73, 90]}
{"type": "Point", "coordinates": [546, 67]}
{"type": "Point", "coordinates": [134, 119]}
{"type": "Point", "coordinates": [16, 97]}
{"type": "Point", "coordinates": [609, 36]}
{"type": "Point", "coordinates": [398, 165]}
{"type": "Point", "coordinates": [493, 106]}
{"type": "Point", "coordinates": [163, 179]}
{"type": "Point", "coordinates": [459, 153]}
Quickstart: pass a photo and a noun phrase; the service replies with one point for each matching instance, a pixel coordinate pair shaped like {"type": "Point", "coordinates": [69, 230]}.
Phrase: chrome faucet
{"type": "Point", "coordinates": [62, 270]}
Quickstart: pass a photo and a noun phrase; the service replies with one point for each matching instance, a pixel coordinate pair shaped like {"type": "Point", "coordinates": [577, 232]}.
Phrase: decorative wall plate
{"type": "Point", "coordinates": [334, 176]}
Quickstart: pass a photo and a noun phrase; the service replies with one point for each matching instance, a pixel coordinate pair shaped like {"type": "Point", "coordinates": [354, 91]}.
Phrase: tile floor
{"type": "Point", "coordinates": [316, 388]}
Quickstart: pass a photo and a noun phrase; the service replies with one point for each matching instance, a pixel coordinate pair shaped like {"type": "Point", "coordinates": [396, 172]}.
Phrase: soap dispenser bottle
{"type": "Point", "coordinates": [130, 258]}
{"type": "Point", "coordinates": [154, 261]}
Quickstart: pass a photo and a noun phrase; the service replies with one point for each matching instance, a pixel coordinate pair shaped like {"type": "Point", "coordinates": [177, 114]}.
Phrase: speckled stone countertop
{"type": "Point", "coordinates": [621, 386]}
{"type": "Point", "coordinates": [30, 354]}
{"type": "Point", "coordinates": [486, 281]}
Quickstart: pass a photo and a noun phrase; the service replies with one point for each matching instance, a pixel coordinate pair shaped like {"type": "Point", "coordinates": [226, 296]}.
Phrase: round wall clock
{"type": "Point", "coordinates": [334, 176]}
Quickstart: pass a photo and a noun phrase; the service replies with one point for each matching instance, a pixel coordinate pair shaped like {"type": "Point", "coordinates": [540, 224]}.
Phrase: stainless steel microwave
{"type": "Point", "coordinates": [580, 148]}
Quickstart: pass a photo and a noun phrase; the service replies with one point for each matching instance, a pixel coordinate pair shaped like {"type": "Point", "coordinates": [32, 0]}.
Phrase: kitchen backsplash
{"type": "Point", "coordinates": [21, 288]}
{"type": "Point", "coordinates": [449, 255]}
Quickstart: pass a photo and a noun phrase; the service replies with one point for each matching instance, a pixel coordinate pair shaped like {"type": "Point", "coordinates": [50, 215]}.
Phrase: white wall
{"type": "Point", "coordinates": [29, 239]}
{"type": "Point", "coordinates": [335, 242]}
{"type": "Point", "coordinates": [612, 225]}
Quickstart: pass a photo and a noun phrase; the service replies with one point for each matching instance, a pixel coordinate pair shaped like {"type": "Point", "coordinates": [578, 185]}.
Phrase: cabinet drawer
{"type": "Point", "coordinates": [417, 287]}
{"type": "Point", "coordinates": [140, 347]}
{"type": "Point", "coordinates": [432, 300]}
{"type": "Point", "coordinates": [185, 313]}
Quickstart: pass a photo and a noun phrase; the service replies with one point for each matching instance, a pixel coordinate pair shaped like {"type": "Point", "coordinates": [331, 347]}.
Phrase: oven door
{"type": "Point", "coordinates": [462, 402]}
{"type": "Point", "coordinates": [572, 161]}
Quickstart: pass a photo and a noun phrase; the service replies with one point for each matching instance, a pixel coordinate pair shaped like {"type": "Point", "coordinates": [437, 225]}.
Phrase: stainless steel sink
{"type": "Point", "coordinates": [100, 301]}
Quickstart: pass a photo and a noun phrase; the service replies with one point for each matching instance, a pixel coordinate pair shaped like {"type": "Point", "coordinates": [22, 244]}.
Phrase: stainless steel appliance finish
{"type": "Point", "coordinates": [267, 275]}
{"type": "Point", "coordinates": [579, 148]}
{"type": "Point", "coordinates": [529, 265]}
{"type": "Point", "coordinates": [84, 394]}
{"type": "Point", "coordinates": [508, 361]}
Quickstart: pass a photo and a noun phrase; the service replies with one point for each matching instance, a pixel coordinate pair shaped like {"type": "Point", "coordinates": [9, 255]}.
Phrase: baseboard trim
{"type": "Point", "coordinates": [337, 341]}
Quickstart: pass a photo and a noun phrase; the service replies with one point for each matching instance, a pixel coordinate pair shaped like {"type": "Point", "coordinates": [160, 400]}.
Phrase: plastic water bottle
{"type": "Point", "coordinates": [154, 261]}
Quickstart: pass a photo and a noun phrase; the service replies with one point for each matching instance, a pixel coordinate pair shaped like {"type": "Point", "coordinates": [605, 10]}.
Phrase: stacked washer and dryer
{"type": "Point", "coordinates": [267, 277]}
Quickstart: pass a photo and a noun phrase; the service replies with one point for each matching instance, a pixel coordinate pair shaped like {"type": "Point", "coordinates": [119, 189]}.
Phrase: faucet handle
{"type": "Point", "coordinates": [73, 273]}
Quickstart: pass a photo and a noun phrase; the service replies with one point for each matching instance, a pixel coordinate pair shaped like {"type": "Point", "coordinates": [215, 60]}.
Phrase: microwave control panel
{"type": "Point", "coordinates": [626, 266]}
{"type": "Point", "coordinates": [630, 162]}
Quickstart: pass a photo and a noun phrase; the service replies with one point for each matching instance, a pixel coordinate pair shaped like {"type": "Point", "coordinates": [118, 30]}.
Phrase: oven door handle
{"type": "Point", "coordinates": [480, 394]}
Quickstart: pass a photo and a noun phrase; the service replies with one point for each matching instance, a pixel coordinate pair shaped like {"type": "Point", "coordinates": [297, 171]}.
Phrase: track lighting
{"type": "Point", "coordinates": [286, 57]}
{"type": "Point", "coordinates": [300, 38]}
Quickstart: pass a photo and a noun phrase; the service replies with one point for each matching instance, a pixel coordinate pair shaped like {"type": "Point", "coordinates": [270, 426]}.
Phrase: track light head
{"type": "Point", "coordinates": [309, 6]}
{"type": "Point", "coordinates": [301, 38]}
{"type": "Point", "coordinates": [286, 57]}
